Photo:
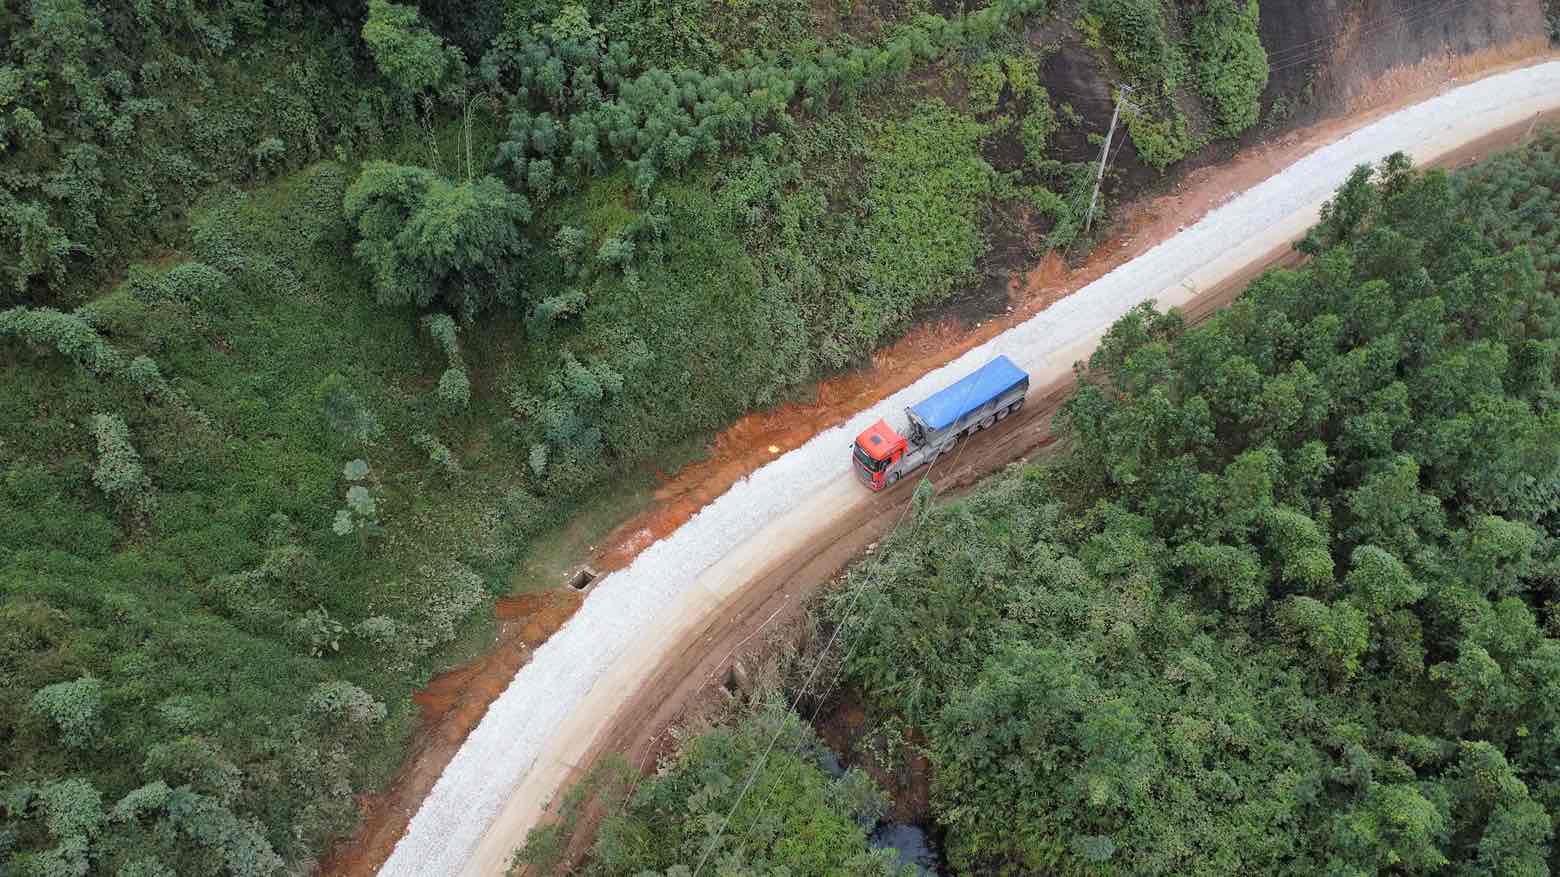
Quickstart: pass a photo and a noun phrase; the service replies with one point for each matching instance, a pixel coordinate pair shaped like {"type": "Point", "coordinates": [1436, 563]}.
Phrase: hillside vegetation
{"type": "Point", "coordinates": [1283, 602]}
{"type": "Point", "coordinates": [313, 316]}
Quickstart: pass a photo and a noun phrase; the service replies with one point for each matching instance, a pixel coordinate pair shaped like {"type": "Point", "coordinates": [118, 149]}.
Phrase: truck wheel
{"type": "Point", "coordinates": [1002, 413]}
{"type": "Point", "coordinates": [892, 478]}
{"type": "Point", "coordinates": [1013, 409]}
{"type": "Point", "coordinates": [990, 419]}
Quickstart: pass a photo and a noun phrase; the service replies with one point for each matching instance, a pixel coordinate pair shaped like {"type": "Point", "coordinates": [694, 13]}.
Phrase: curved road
{"type": "Point", "coordinates": [645, 634]}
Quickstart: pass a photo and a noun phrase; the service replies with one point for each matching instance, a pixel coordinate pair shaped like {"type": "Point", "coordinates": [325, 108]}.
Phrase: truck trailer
{"type": "Point", "coordinates": [881, 456]}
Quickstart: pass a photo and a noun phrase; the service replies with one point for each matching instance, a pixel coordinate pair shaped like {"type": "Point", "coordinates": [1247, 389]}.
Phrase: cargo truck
{"type": "Point", "coordinates": [881, 456]}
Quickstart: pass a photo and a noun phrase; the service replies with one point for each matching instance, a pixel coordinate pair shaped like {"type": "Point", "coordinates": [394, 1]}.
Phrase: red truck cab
{"type": "Point", "coordinates": [876, 450]}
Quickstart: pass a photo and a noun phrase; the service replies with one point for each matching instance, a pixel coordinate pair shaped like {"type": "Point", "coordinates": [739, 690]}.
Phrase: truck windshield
{"type": "Point", "coordinates": [865, 459]}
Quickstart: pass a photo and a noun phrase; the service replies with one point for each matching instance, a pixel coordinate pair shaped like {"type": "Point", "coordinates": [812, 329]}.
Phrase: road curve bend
{"type": "Point", "coordinates": [502, 778]}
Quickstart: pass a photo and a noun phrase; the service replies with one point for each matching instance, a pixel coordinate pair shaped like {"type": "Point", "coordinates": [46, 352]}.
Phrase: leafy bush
{"type": "Point", "coordinates": [1065, 210]}
{"type": "Point", "coordinates": [1134, 33]}
{"type": "Point", "coordinates": [144, 373]}
{"type": "Point", "coordinates": [344, 412]}
{"type": "Point", "coordinates": [360, 515]}
{"type": "Point", "coordinates": [454, 385]}
{"type": "Point", "coordinates": [345, 706]}
{"type": "Point", "coordinates": [75, 709]}
{"type": "Point", "coordinates": [318, 632]}
{"type": "Point", "coordinates": [928, 185]}
{"type": "Point", "coordinates": [119, 472]}
{"type": "Point", "coordinates": [67, 333]}
{"type": "Point", "coordinates": [443, 331]}
{"type": "Point", "coordinates": [565, 415]}
{"type": "Point", "coordinates": [187, 282]}
{"type": "Point", "coordinates": [455, 388]}
{"type": "Point", "coordinates": [438, 454]}
{"type": "Point", "coordinates": [986, 81]}
{"type": "Point", "coordinates": [425, 238]}
{"type": "Point", "coordinates": [450, 590]}
{"type": "Point", "coordinates": [1231, 65]}
{"type": "Point", "coordinates": [1160, 142]}
{"type": "Point", "coordinates": [406, 52]}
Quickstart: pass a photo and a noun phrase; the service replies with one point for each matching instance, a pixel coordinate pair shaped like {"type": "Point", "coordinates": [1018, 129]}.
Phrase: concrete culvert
{"type": "Point", "coordinates": [583, 578]}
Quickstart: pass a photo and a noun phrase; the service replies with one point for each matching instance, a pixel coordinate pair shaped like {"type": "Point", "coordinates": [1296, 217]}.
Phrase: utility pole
{"type": "Point", "coordinates": [1121, 92]}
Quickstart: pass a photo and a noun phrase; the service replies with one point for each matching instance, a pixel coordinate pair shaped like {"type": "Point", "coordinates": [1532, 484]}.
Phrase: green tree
{"type": "Point", "coordinates": [424, 238]}
{"type": "Point", "coordinates": [405, 50]}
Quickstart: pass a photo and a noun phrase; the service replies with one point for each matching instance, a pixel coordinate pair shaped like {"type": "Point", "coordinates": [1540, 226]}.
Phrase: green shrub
{"type": "Point", "coordinates": [406, 52]}
{"type": "Point", "coordinates": [74, 709]}
{"type": "Point", "coordinates": [789, 817]}
{"type": "Point", "coordinates": [317, 632]}
{"type": "Point", "coordinates": [424, 238]}
{"type": "Point", "coordinates": [1065, 210]}
{"type": "Point", "coordinates": [344, 412]}
{"type": "Point", "coordinates": [114, 119]}
{"type": "Point", "coordinates": [928, 188]}
{"type": "Point", "coordinates": [360, 514]}
{"type": "Point", "coordinates": [1160, 142]}
{"type": "Point", "coordinates": [438, 454]}
{"type": "Point", "coordinates": [986, 81]}
{"type": "Point", "coordinates": [455, 388]}
{"type": "Point", "coordinates": [144, 373]}
{"type": "Point", "coordinates": [582, 103]}
{"type": "Point", "coordinates": [448, 592]}
{"type": "Point", "coordinates": [1133, 31]}
{"type": "Point", "coordinates": [72, 811]}
{"type": "Point", "coordinates": [69, 334]}
{"type": "Point", "coordinates": [188, 282]}
{"type": "Point", "coordinates": [345, 707]}
{"type": "Point", "coordinates": [1035, 131]}
{"type": "Point", "coordinates": [441, 328]}
{"type": "Point", "coordinates": [1231, 65]}
{"type": "Point", "coordinates": [119, 472]}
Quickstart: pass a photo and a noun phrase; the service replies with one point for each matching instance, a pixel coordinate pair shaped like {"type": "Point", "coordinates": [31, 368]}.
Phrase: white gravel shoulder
{"type": "Point", "coordinates": [624, 606]}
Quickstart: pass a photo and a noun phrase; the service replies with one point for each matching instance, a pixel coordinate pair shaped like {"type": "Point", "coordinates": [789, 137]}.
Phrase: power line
{"type": "Point", "coordinates": [839, 671]}
{"type": "Point", "coordinates": [763, 761]}
{"type": "Point", "coordinates": [1288, 59]}
{"type": "Point", "coordinates": [872, 613]}
{"type": "Point", "coordinates": [1287, 52]}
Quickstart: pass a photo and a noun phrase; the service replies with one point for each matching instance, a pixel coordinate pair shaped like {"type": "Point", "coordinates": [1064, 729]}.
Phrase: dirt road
{"type": "Point", "coordinates": [663, 626]}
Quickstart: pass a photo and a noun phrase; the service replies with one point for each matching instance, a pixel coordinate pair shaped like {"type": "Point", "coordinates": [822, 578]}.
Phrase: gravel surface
{"type": "Point", "coordinates": [625, 605]}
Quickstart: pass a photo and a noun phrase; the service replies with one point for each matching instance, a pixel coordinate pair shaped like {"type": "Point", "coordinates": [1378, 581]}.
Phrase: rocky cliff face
{"type": "Point", "coordinates": [1326, 58]}
{"type": "Point", "coordinates": [1332, 54]}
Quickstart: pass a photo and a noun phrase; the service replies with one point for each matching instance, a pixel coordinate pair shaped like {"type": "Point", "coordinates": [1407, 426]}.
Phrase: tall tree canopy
{"type": "Point", "coordinates": [1285, 601]}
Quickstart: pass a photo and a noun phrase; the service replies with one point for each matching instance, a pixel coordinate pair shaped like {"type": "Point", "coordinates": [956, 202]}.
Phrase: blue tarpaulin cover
{"type": "Point", "coordinates": [949, 405]}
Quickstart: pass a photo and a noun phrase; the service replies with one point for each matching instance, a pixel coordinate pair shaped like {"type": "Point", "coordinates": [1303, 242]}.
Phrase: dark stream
{"type": "Point", "coordinates": [914, 844]}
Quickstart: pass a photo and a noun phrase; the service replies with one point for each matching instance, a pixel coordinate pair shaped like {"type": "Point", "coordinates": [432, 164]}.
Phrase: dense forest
{"type": "Point", "coordinates": [1284, 600]}
{"type": "Point", "coordinates": [313, 316]}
